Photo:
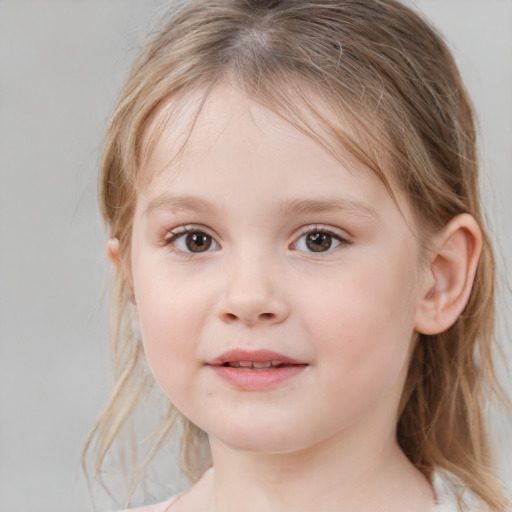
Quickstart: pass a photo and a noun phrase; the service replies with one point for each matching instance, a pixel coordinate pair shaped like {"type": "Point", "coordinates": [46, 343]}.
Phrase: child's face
{"type": "Point", "coordinates": [257, 239]}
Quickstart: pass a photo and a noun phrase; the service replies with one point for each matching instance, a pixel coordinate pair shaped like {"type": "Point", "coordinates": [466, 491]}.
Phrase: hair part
{"type": "Point", "coordinates": [365, 78]}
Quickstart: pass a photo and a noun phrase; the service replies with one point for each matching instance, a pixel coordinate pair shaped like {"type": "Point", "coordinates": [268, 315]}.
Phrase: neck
{"type": "Point", "coordinates": [335, 475]}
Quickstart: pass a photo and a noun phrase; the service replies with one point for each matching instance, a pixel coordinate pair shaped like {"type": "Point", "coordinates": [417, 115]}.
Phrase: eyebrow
{"type": "Point", "coordinates": [289, 207]}
{"type": "Point", "coordinates": [167, 202]}
{"type": "Point", "coordinates": [342, 205]}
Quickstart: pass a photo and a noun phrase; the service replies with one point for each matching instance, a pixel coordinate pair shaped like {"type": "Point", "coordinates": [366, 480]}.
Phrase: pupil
{"type": "Point", "coordinates": [198, 242]}
{"type": "Point", "coordinates": [319, 242]}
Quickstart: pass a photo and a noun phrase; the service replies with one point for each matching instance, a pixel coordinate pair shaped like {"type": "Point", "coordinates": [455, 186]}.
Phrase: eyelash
{"type": "Point", "coordinates": [181, 232]}
{"type": "Point", "coordinates": [319, 229]}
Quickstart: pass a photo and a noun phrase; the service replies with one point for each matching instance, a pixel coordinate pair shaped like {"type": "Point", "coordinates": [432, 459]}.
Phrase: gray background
{"type": "Point", "coordinates": [61, 64]}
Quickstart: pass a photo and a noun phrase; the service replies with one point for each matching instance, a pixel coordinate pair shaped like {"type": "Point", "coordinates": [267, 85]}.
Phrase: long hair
{"type": "Point", "coordinates": [367, 78]}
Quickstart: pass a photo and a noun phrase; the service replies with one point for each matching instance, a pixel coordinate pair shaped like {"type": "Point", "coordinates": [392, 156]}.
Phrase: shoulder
{"type": "Point", "coordinates": [156, 507]}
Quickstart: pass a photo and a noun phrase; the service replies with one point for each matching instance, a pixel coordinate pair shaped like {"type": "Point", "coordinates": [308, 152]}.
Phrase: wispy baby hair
{"type": "Point", "coordinates": [365, 78]}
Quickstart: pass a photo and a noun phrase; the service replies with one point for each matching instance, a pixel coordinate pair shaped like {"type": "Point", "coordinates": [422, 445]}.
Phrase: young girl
{"type": "Point", "coordinates": [291, 190]}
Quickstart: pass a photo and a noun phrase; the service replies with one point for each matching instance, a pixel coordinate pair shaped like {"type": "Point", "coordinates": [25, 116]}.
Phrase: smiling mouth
{"type": "Point", "coordinates": [261, 359]}
{"type": "Point", "coordinates": [257, 365]}
{"type": "Point", "coordinates": [256, 370]}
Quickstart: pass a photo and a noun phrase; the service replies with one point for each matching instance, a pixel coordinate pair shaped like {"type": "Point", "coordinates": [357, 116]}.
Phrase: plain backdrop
{"type": "Point", "coordinates": [61, 65]}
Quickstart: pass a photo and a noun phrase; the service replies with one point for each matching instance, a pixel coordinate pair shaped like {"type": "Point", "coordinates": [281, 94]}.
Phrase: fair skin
{"type": "Point", "coordinates": [255, 238]}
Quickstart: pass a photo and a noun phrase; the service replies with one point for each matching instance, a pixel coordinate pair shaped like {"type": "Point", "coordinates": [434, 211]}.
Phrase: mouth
{"type": "Point", "coordinates": [254, 360]}
{"type": "Point", "coordinates": [256, 370]}
{"type": "Point", "coordinates": [256, 365]}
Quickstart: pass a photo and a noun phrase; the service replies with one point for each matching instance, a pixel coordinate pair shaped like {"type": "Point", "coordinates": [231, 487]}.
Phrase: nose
{"type": "Point", "coordinates": [252, 294]}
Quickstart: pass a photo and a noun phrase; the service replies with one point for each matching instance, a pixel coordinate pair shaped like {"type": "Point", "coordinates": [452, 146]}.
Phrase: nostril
{"type": "Point", "coordinates": [230, 317]}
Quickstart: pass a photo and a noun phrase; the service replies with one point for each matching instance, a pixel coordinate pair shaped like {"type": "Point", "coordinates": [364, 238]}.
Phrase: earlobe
{"type": "Point", "coordinates": [453, 265]}
{"type": "Point", "coordinates": [115, 257]}
{"type": "Point", "coordinates": [113, 250]}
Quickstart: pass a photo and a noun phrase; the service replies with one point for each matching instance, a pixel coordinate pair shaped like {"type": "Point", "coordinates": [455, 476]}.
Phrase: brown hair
{"type": "Point", "coordinates": [378, 68]}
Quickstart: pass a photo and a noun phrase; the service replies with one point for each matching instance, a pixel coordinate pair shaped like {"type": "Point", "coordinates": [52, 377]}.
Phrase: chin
{"type": "Point", "coordinates": [262, 440]}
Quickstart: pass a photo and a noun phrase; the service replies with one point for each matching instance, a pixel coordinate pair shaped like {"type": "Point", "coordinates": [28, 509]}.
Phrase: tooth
{"type": "Point", "coordinates": [266, 364]}
{"type": "Point", "coordinates": [245, 364]}
{"type": "Point", "coordinates": [277, 363]}
{"type": "Point", "coordinates": [234, 364]}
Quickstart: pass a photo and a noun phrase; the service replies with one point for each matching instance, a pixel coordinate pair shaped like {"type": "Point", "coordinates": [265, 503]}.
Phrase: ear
{"type": "Point", "coordinates": [113, 251]}
{"type": "Point", "coordinates": [450, 276]}
{"type": "Point", "coordinates": [115, 257]}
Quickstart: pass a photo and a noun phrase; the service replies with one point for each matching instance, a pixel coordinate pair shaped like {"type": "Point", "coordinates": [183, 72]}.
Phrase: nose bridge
{"type": "Point", "coordinates": [253, 292]}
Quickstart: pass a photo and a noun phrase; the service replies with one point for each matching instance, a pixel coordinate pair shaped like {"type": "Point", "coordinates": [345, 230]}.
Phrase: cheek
{"type": "Point", "coordinates": [170, 325]}
{"type": "Point", "coordinates": [364, 327]}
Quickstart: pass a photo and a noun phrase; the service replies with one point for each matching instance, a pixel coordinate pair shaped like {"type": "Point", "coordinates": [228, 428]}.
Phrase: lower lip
{"type": "Point", "coordinates": [257, 380]}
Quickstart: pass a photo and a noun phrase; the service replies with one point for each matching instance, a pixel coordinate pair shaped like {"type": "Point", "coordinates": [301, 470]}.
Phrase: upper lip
{"type": "Point", "coordinates": [259, 356]}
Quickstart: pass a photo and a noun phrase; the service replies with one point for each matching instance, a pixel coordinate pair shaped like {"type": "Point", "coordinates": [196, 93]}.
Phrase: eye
{"type": "Point", "coordinates": [319, 240]}
{"type": "Point", "coordinates": [192, 241]}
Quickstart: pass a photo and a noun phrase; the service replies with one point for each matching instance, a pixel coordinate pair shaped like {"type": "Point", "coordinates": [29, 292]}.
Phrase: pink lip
{"type": "Point", "coordinates": [251, 379]}
{"type": "Point", "coordinates": [259, 356]}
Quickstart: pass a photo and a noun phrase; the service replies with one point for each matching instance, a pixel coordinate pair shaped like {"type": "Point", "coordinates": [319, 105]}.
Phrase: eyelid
{"type": "Point", "coordinates": [175, 233]}
{"type": "Point", "coordinates": [324, 228]}
{"type": "Point", "coordinates": [187, 228]}
{"type": "Point", "coordinates": [342, 236]}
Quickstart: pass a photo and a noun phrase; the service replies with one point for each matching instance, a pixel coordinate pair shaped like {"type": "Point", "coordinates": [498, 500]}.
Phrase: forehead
{"type": "Point", "coordinates": [200, 129]}
{"type": "Point", "coordinates": [197, 119]}
{"type": "Point", "coordinates": [229, 147]}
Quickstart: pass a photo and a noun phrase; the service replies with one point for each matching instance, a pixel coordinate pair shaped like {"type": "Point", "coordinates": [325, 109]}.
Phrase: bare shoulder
{"type": "Point", "coordinates": [187, 502]}
{"type": "Point", "coordinates": [163, 506]}
{"type": "Point", "coordinates": [198, 497]}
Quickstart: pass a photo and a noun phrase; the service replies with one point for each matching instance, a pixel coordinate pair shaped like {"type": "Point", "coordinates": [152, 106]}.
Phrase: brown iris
{"type": "Point", "coordinates": [319, 242]}
{"type": "Point", "coordinates": [198, 242]}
